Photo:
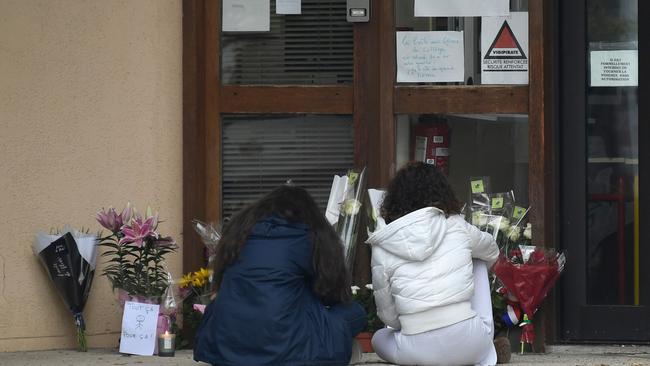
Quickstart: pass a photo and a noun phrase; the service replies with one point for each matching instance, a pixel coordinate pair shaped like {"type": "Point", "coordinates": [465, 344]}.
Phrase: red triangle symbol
{"type": "Point", "coordinates": [506, 39]}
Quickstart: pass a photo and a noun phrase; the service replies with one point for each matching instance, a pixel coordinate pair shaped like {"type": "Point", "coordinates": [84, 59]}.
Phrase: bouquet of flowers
{"type": "Point", "coordinates": [136, 264]}
{"type": "Point", "coordinates": [210, 237]}
{"type": "Point", "coordinates": [343, 209]}
{"type": "Point", "coordinates": [523, 273]}
{"type": "Point", "coordinates": [70, 260]}
{"type": "Point", "coordinates": [365, 296]}
{"type": "Point", "coordinates": [528, 274]}
{"type": "Point", "coordinates": [136, 253]}
{"type": "Point", "coordinates": [197, 287]}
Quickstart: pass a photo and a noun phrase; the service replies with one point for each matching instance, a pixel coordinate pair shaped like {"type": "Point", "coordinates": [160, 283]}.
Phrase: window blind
{"type": "Point", "coordinates": [261, 153]}
{"type": "Point", "coordinates": [315, 47]}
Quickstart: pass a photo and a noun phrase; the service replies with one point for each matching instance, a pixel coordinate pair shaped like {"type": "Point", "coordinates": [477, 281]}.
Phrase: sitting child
{"type": "Point", "coordinates": [283, 289]}
{"type": "Point", "coordinates": [429, 274]}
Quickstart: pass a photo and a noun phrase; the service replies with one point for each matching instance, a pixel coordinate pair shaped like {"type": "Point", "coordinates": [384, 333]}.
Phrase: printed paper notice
{"type": "Point", "coordinates": [430, 57]}
{"type": "Point", "coordinates": [246, 16]}
{"type": "Point", "coordinates": [287, 6]}
{"type": "Point", "coordinates": [461, 8]}
{"type": "Point", "coordinates": [139, 328]}
{"type": "Point", "coordinates": [614, 68]}
{"type": "Point", "coordinates": [504, 49]}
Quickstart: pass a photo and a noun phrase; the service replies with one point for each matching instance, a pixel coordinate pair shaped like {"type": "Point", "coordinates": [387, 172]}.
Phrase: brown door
{"type": "Point", "coordinates": [315, 68]}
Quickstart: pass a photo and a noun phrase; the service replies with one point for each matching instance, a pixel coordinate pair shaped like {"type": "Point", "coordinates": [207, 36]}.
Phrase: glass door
{"type": "Point", "coordinates": [605, 292]}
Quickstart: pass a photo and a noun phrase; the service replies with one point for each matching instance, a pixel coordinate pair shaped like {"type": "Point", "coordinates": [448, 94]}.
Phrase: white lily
{"type": "Point", "coordinates": [351, 207]}
{"type": "Point", "coordinates": [513, 233]}
{"type": "Point", "coordinates": [355, 289]}
{"type": "Point", "coordinates": [369, 286]}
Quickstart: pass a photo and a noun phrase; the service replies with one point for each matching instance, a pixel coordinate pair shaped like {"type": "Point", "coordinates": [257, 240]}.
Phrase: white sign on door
{"type": "Point", "coordinates": [504, 49]}
{"type": "Point", "coordinates": [430, 57]}
{"type": "Point", "coordinates": [614, 68]}
{"type": "Point", "coordinates": [461, 8]}
{"type": "Point", "coordinates": [246, 16]}
{"type": "Point", "coordinates": [287, 6]}
{"type": "Point", "coordinates": [139, 324]}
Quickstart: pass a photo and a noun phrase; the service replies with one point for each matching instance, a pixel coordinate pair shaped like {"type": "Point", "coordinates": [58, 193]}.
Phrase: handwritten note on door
{"type": "Point", "coordinates": [139, 328]}
{"type": "Point", "coordinates": [430, 57]}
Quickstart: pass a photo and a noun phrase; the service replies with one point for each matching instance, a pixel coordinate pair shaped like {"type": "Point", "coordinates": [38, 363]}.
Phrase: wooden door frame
{"type": "Point", "coordinates": [373, 99]}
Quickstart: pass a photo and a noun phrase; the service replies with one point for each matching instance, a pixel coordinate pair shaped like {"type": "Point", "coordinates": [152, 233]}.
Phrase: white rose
{"type": "Point", "coordinates": [369, 286]}
{"type": "Point", "coordinates": [513, 233]}
{"type": "Point", "coordinates": [499, 223]}
{"type": "Point", "coordinates": [528, 231]}
{"type": "Point", "coordinates": [355, 289]}
{"type": "Point", "coordinates": [351, 207]}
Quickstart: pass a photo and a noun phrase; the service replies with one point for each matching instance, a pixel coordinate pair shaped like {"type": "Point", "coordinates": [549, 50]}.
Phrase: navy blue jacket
{"type": "Point", "coordinates": [266, 313]}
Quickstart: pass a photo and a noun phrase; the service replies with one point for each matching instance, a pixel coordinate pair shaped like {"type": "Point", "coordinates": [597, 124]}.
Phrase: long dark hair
{"type": "Point", "coordinates": [418, 185]}
{"type": "Point", "coordinates": [332, 279]}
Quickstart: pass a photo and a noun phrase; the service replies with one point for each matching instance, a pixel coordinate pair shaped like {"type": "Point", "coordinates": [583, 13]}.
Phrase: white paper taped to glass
{"type": "Point", "coordinates": [461, 8]}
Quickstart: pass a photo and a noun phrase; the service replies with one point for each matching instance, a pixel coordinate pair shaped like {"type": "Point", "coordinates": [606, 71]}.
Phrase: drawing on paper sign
{"type": "Point", "coordinates": [506, 46]}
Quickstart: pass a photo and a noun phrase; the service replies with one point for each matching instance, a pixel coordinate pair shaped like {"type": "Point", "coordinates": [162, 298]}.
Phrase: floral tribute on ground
{"type": "Point", "coordinates": [364, 295]}
{"type": "Point", "coordinates": [136, 264]}
{"type": "Point", "coordinates": [524, 273]}
{"type": "Point", "coordinates": [69, 258]}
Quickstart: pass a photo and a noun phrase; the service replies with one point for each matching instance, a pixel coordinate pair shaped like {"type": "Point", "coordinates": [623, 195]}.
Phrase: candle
{"type": "Point", "coordinates": [166, 344]}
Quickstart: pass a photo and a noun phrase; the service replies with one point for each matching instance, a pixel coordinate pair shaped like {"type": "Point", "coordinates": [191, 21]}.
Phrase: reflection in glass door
{"type": "Point", "coordinates": [612, 152]}
{"type": "Point", "coordinates": [604, 297]}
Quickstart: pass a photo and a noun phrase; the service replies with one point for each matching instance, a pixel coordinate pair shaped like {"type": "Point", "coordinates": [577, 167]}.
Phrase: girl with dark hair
{"type": "Point", "coordinates": [429, 274]}
{"type": "Point", "coordinates": [283, 289]}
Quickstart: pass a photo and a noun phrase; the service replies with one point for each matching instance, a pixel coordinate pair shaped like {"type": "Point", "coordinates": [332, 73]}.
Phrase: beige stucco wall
{"type": "Point", "coordinates": [90, 116]}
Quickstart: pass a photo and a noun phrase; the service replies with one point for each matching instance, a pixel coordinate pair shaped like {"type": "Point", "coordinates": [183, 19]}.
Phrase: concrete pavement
{"type": "Point", "coordinates": [557, 355]}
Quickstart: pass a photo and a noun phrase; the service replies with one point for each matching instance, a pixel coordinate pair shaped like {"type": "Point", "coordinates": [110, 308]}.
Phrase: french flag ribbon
{"type": "Point", "coordinates": [511, 316]}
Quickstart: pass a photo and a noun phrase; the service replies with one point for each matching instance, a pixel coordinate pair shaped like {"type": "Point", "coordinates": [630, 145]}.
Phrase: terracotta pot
{"type": "Point", "coordinates": [364, 339]}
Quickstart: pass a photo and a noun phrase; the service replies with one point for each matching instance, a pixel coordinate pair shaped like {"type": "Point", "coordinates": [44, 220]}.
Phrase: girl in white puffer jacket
{"type": "Point", "coordinates": [429, 274]}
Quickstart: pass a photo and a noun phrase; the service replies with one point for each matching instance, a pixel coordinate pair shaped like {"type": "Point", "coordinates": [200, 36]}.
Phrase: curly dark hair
{"type": "Point", "coordinates": [418, 185]}
{"type": "Point", "coordinates": [332, 279]}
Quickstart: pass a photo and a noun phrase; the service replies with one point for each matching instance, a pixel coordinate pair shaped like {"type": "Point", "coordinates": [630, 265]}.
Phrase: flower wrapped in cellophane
{"type": "Point", "coordinates": [196, 288]}
{"type": "Point", "coordinates": [210, 235]}
{"type": "Point", "coordinates": [375, 199]}
{"type": "Point", "coordinates": [528, 273]}
{"type": "Point", "coordinates": [136, 266]}
{"type": "Point", "coordinates": [136, 252]}
{"type": "Point", "coordinates": [69, 258]}
{"type": "Point", "coordinates": [344, 208]}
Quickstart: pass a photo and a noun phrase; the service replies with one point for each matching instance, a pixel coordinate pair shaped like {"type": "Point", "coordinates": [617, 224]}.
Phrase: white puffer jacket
{"type": "Point", "coordinates": [422, 269]}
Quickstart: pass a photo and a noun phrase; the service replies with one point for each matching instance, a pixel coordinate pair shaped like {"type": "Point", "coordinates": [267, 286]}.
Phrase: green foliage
{"type": "Point", "coordinates": [138, 270]}
{"type": "Point", "coordinates": [365, 297]}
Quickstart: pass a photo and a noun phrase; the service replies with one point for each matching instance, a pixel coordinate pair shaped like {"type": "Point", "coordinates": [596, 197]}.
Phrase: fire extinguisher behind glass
{"type": "Point", "coordinates": [430, 139]}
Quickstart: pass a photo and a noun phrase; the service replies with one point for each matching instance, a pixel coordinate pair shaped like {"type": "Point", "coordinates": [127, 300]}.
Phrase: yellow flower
{"type": "Point", "coordinates": [198, 282]}
{"type": "Point", "coordinates": [185, 280]}
{"type": "Point", "coordinates": [203, 273]}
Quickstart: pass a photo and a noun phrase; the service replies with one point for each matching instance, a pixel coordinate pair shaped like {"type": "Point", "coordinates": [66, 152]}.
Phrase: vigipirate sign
{"type": "Point", "coordinates": [504, 46]}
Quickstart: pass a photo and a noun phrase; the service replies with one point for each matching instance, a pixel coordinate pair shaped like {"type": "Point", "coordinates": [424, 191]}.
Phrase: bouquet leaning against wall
{"type": "Point", "coordinates": [135, 253]}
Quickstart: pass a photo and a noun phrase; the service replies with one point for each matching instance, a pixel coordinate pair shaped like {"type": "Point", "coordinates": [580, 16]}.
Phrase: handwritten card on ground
{"type": "Point", "coordinates": [430, 57]}
{"type": "Point", "coordinates": [139, 328]}
{"type": "Point", "coordinates": [461, 8]}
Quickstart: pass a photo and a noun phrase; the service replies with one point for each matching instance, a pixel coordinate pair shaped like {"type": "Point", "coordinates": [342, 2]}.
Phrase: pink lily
{"type": "Point", "coordinates": [138, 231]}
{"type": "Point", "coordinates": [109, 219]}
{"type": "Point", "coordinates": [127, 214]}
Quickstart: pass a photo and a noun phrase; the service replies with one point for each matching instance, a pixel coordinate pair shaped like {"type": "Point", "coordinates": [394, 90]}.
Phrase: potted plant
{"type": "Point", "coordinates": [365, 297]}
